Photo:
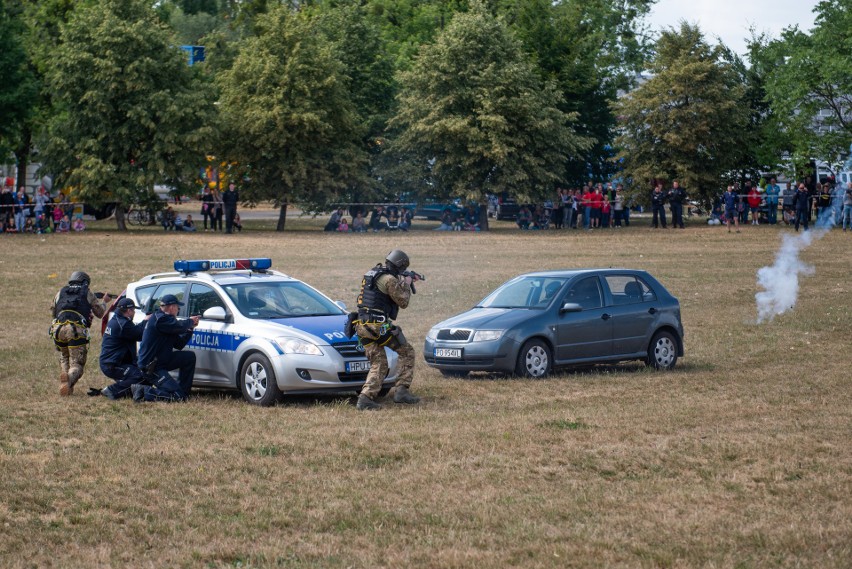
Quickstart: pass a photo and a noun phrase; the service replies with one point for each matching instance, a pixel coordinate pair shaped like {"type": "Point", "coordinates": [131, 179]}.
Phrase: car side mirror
{"type": "Point", "coordinates": [215, 313]}
{"type": "Point", "coordinates": [569, 306]}
{"type": "Point", "coordinates": [341, 304]}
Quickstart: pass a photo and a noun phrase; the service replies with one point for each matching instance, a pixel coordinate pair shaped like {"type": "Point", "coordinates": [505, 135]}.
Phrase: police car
{"type": "Point", "coordinates": [260, 331]}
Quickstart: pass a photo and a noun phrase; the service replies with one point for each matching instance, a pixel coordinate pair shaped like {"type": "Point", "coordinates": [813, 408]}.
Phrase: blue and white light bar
{"type": "Point", "coordinates": [259, 264]}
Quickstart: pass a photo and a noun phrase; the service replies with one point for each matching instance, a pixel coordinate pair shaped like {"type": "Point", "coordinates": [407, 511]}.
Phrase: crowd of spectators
{"type": "Point", "coordinates": [39, 214]}
{"type": "Point", "coordinates": [382, 218]}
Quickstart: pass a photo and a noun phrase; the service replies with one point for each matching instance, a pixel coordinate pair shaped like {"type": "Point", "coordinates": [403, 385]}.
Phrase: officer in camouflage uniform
{"type": "Point", "coordinates": [384, 290]}
{"type": "Point", "coordinates": [72, 310]}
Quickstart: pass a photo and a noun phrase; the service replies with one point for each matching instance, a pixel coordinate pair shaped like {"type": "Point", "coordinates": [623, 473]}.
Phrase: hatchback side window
{"type": "Point", "coordinates": [586, 293]}
{"type": "Point", "coordinates": [143, 296]}
{"type": "Point", "coordinates": [647, 292]}
{"type": "Point", "coordinates": [177, 289]}
{"type": "Point", "coordinates": [202, 297]}
{"type": "Point", "coordinates": [624, 289]}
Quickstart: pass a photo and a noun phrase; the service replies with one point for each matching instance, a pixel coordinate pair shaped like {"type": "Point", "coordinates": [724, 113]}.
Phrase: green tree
{"type": "Point", "coordinates": [591, 48]}
{"type": "Point", "coordinates": [288, 117]}
{"type": "Point", "coordinates": [683, 123]}
{"type": "Point", "coordinates": [129, 112]}
{"type": "Point", "coordinates": [810, 89]}
{"type": "Point", "coordinates": [18, 89]}
{"type": "Point", "coordinates": [368, 73]}
{"type": "Point", "coordinates": [475, 116]}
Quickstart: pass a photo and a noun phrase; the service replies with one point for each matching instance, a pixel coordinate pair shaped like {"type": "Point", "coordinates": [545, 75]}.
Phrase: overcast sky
{"type": "Point", "coordinates": [730, 20]}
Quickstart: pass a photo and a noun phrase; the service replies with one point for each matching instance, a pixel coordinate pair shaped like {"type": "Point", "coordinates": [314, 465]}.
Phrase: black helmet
{"type": "Point", "coordinates": [79, 277]}
{"type": "Point", "coordinates": [397, 259]}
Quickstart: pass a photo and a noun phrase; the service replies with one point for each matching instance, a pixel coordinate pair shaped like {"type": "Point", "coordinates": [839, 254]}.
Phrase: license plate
{"type": "Point", "coordinates": [448, 352]}
{"type": "Point", "coordinates": [358, 366]}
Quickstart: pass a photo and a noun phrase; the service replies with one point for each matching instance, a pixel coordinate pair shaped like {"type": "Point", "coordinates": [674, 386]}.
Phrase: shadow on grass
{"type": "Point", "coordinates": [297, 400]}
{"type": "Point", "coordinates": [591, 371]}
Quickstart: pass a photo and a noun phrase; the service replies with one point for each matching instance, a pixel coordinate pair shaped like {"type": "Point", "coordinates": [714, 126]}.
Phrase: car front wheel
{"type": "Point", "coordinates": [534, 360]}
{"type": "Point", "coordinates": [257, 381]}
{"type": "Point", "coordinates": [662, 352]}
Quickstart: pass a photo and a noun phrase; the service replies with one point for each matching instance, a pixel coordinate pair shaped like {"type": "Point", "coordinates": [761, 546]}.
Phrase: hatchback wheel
{"type": "Point", "coordinates": [662, 352]}
{"type": "Point", "coordinates": [534, 360]}
{"type": "Point", "coordinates": [257, 381]}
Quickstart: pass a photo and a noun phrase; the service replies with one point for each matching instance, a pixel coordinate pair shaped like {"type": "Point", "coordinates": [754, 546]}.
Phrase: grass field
{"type": "Point", "coordinates": [740, 457]}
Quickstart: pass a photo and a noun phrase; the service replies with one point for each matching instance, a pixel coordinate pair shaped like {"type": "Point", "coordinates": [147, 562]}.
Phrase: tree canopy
{"type": "Point", "coordinates": [683, 122]}
{"type": "Point", "coordinates": [476, 116]}
{"type": "Point", "coordinates": [286, 113]}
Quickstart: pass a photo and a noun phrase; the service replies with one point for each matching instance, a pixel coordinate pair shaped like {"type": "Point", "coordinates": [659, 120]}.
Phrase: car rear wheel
{"type": "Point", "coordinates": [534, 360]}
{"type": "Point", "coordinates": [257, 381]}
{"type": "Point", "coordinates": [662, 352]}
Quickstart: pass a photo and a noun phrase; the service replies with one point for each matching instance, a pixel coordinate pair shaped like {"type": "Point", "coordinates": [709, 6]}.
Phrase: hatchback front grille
{"type": "Point", "coordinates": [349, 350]}
{"type": "Point", "coordinates": [457, 334]}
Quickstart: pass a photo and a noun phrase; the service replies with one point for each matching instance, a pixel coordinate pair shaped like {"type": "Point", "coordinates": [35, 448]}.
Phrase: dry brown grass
{"type": "Point", "coordinates": [741, 457]}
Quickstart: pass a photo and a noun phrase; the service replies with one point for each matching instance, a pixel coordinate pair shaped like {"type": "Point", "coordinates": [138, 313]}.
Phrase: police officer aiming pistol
{"type": "Point", "coordinates": [384, 290]}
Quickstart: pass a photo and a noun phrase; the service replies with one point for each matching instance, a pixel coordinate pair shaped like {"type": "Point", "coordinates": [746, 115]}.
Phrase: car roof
{"type": "Point", "coordinates": [220, 277]}
{"type": "Point", "coordinates": [568, 273]}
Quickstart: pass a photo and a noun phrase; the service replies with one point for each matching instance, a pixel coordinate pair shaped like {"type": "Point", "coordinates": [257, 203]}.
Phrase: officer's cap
{"type": "Point", "coordinates": [170, 299]}
{"type": "Point", "coordinates": [124, 304]}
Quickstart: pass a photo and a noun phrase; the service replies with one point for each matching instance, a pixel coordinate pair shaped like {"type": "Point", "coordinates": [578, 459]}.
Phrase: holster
{"type": "Point", "coordinates": [349, 325]}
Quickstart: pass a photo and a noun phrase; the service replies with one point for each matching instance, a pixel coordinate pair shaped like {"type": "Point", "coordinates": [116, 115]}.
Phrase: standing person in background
{"type": "Point", "coordinates": [586, 202]}
{"type": "Point", "coordinates": [773, 190]}
{"type": "Point", "coordinates": [230, 199]}
{"type": "Point", "coordinates": [207, 207]}
{"type": "Point", "coordinates": [677, 197]}
{"type": "Point", "coordinates": [20, 209]}
{"type": "Point", "coordinates": [658, 209]}
{"type": "Point", "coordinates": [217, 212]}
{"type": "Point", "coordinates": [802, 204]}
{"type": "Point", "coordinates": [847, 207]}
{"type": "Point", "coordinates": [618, 206]}
{"type": "Point", "coordinates": [731, 201]}
{"type": "Point", "coordinates": [597, 204]}
{"type": "Point", "coordinates": [753, 198]}
{"type": "Point", "coordinates": [824, 197]}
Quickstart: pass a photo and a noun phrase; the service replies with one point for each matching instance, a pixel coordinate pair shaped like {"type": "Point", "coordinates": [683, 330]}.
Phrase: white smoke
{"type": "Point", "coordinates": [780, 281]}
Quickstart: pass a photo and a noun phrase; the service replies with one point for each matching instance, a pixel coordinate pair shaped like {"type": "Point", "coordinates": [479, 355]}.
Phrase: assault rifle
{"type": "Point", "coordinates": [415, 276]}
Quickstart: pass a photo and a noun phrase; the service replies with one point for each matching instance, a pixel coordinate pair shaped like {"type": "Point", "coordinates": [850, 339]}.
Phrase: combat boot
{"type": "Point", "coordinates": [403, 395]}
{"type": "Point", "coordinates": [64, 388]}
{"type": "Point", "coordinates": [366, 404]}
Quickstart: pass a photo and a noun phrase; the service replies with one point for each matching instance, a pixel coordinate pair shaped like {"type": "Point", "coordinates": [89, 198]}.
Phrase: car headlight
{"type": "Point", "coordinates": [487, 335]}
{"type": "Point", "coordinates": [433, 333]}
{"type": "Point", "coordinates": [297, 346]}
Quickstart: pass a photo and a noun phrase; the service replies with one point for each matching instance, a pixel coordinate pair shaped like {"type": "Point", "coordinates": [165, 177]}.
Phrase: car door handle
{"type": "Point", "coordinates": [605, 316]}
{"type": "Point", "coordinates": [652, 310]}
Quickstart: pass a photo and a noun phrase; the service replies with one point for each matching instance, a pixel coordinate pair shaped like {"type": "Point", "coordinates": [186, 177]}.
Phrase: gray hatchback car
{"type": "Point", "coordinates": [538, 321]}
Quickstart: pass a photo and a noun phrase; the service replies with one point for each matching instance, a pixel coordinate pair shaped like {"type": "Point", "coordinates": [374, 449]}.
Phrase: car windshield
{"type": "Point", "coordinates": [263, 300]}
{"type": "Point", "coordinates": [524, 292]}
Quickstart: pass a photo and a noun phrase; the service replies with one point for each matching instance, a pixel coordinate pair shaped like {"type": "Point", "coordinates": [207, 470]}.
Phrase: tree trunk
{"type": "Point", "coordinates": [483, 216]}
{"type": "Point", "coordinates": [22, 155]}
{"type": "Point", "coordinates": [120, 220]}
{"type": "Point", "coordinates": [282, 217]}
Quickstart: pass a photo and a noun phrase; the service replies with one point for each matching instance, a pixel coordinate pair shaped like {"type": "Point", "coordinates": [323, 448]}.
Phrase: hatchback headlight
{"type": "Point", "coordinates": [297, 346]}
{"type": "Point", "coordinates": [487, 335]}
{"type": "Point", "coordinates": [433, 333]}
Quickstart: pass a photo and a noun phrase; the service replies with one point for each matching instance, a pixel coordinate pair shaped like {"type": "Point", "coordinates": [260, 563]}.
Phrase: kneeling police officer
{"type": "Point", "coordinates": [118, 351]}
{"type": "Point", "coordinates": [163, 334]}
{"type": "Point", "coordinates": [384, 290]}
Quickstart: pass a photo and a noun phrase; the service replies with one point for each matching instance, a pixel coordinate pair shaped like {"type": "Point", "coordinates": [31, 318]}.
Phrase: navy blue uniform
{"type": "Point", "coordinates": [802, 203]}
{"type": "Point", "coordinates": [163, 334]}
{"type": "Point", "coordinates": [118, 354]}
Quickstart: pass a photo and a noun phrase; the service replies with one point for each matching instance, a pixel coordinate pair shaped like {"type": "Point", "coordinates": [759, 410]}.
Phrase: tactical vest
{"type": "Point", "coordinates": [73, 301]}
{"type": "Point", "coordinates": [371, 299]}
